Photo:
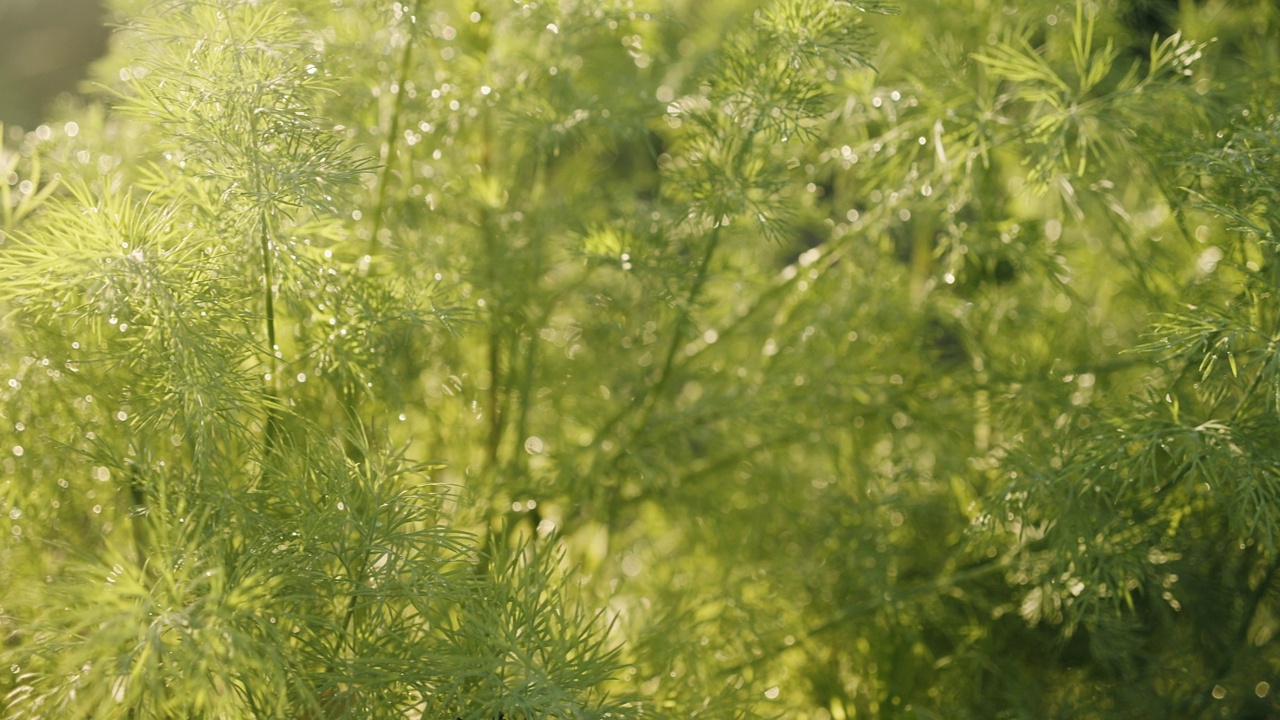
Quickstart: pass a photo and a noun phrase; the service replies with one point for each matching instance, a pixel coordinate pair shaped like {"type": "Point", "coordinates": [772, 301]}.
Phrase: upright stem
{"type": "Point", "coordinates": [349, 615]}
{"type": "Point", "coordinates": [528, 370]}
{"type": "Point", "coordinates": [139, 516]}
{"type": "Point", "coordinates": [526, 394]}
{"type": "Point", "coordinates": [393, 130]}
{"type": "Point", "coordinates": [271, 388]}
{"type": "Point", "coordinates": [268, 281]}
{"type": "Point", "coordinates": [695, 292]}
{"type": "Point", "coordinates": [664, 375]}
{"type": "Point", "coordinates": [497, 399]}
{"type": "Point", "coordinates": [678, 336]}
{"type": "Point", "coordinates": [495, 391]}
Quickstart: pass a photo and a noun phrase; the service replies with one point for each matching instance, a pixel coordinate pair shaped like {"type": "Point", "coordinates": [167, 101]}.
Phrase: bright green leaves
{"type": "Point", "coordinates": [101, 247]}
{"type": "Point", "coordinates": [764, 454]}
{"type": "Point", "coordinates": [1141, 493]}
{"type": "Point", "coordinates": [1087, 111]}
{"type": "Point", "coordinates": [529, 646]}
{"type": "Point", "coordinates": [771, 86]}
{"type": "Point", "coordinates": [216, 348]}
{"type": "Point", "coordinates": [817, 34]}
{"type": "Point", "coordinates": [171, 634]}
{"type": "Point", "coordinates": [1238, 181]}
{"type": "Point", "coordinates": [235, 112]}
{"type": "Point", "coordinates": [20, 195]}
{"type": "Point", "coordinates": [149, 307]}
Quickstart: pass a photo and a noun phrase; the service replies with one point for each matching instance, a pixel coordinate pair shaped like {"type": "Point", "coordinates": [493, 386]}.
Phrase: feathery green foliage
{"type": "Point", "coordinates": [629, 358]}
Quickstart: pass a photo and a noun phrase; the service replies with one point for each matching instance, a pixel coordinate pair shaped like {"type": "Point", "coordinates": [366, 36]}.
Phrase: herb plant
{"type": "Point", "coordinates": [630, 358]}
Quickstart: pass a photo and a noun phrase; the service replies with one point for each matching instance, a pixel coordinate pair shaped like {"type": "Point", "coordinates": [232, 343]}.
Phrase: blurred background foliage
{"type": "Point", "coordinates": [765, 358]}
{"type": "Point", "coordinates": [46, 48]}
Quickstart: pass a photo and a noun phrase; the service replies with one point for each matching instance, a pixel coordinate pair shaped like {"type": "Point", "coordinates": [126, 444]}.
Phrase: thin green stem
{"type": "Point", "coordinates": [528, 371]}
{"type": "Point", "coordinates": [678, 335]}
{"type": "Point", "coordinates": [138, 515]}
{"type": "Point", "coordinates": [650, 399]}
{"type": "Point", "coordinates": [498, 397]}
{"type": "Point", "coordinates": [349, 616]}
{"type": "Point", "coordinates": [268, 282]}
{"type": "Point", "coordinates": [393, 131]}
{"type": "Point", "coordinates": [270, 390]}
{"type": "Point", "coordinates": [496, 400]}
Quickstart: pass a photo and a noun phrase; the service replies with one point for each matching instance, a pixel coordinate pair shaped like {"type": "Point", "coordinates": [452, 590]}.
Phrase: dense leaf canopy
{"type": "Point", "coordinates": [647, 358]}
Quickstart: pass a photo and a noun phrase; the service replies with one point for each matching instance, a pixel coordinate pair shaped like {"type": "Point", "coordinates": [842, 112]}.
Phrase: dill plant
{"type": "Point", "coordinates": [255, 546]}
{"type": "Point", "coordinates": [620, 358]}
{"type": "Point", "coordinates": [227, 338]}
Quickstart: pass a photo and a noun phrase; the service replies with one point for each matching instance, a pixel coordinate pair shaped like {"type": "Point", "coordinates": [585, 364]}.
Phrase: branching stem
{"type": "Point", "coordinates": [650, 399]}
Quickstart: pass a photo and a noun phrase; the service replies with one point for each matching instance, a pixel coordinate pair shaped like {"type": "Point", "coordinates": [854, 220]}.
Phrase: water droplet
{"type": "Point", "coordinates": [17, 450]}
